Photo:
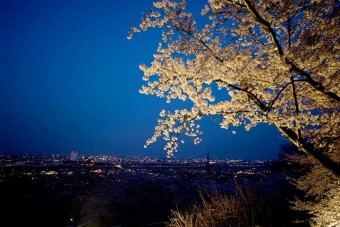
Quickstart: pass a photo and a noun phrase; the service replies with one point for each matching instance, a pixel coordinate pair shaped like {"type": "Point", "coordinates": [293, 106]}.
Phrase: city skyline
{"type": "Point", "coordinates": [70, 81]}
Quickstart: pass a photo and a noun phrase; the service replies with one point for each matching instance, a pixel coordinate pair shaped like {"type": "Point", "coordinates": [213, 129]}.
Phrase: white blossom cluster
{"type": "Point", "coordinates": [170, 127]}
{"type": "Point", "coordinates": [277, 61]}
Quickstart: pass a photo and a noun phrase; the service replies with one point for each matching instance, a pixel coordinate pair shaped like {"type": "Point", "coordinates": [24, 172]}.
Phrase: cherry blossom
{"type": "Point", "coordinates": [278, 62]}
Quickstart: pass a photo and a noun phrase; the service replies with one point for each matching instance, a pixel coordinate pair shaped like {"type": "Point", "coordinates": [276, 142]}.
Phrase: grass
{"type": "Point", "coordinates": [243, 208]}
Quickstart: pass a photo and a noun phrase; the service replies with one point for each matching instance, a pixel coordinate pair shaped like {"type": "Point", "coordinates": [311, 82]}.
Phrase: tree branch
{"type": "Point", "coordinates": [318, 86]}
{"type": "Point", "coordinates": [278, 95]}
{"type": "Point", "coordinates": [296, 107]}
{"type": "Point", "coordinates": [266, 24]}
{"type": "Point", "coordinates": [182, 31]}
{"type": "Point", "coordinates": [257, 101]}
{"type": "Point", "coordinates": [310, 149]}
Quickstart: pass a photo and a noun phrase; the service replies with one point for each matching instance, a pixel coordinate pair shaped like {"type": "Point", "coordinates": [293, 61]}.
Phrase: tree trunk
{"type": "Point", "coordinates": [310, 150]}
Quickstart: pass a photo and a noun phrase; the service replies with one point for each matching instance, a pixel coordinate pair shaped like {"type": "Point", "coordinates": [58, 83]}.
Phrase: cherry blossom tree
{"type": "Point", "coordinates": [278, 61]}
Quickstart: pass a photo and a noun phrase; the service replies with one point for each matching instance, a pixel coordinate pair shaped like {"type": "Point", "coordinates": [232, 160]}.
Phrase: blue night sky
{"type": "Point", "coordinates": [70, 81]}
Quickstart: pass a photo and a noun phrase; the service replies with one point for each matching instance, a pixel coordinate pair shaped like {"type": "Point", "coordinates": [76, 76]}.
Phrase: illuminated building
{"type": "Point", "coordinates": [74, 156]}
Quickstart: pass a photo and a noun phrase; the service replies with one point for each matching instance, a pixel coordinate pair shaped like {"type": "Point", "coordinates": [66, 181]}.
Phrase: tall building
{"type": "Point", "coordinates": [74, 156]}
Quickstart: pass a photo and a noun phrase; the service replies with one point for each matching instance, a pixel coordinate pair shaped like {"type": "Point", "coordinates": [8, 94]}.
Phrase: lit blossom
{"type": "Point", "coordinates": [277, 61]}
